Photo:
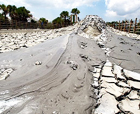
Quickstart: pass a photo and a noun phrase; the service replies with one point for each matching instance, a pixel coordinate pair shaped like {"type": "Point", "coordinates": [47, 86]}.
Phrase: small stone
{"type": "Point", "coordinates": [69, 62]}
{"type": "Point", "coordinates": [95, 84]}
{"type": "Point", "coordinates": [38, 63]}
{"type": "Point", "coordinates": [84, 56]}
{"type": "Point", "coordinates": [74, 66]}
{"type": "Point", "coordinates": [101, 45]}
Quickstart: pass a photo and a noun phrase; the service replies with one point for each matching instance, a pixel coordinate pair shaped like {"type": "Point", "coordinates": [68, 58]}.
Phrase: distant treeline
{"type": "Point", "coordinates": [13, 17]}
{"type": "Point", "coordinates": [131, 26]}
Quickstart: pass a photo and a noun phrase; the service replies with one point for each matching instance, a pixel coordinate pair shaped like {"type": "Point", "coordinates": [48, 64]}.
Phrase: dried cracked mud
{"type": "Point", "coordinates": [87, 68]}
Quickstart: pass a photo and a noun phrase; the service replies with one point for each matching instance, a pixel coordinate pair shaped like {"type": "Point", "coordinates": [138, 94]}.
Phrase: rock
{"type": "Point", "coordinates": [132, 106]}
{"type": "Point", "coordinates": [138, 37]}
{"type": "Point", "coordinates": [123, 84]}
{"type": "Point", "coordinates": [96, 66]}
{"type": "Point", "coordinates": [74, 66]}
{"type": "Point", "coordinates": [108, 64]}
{"type": "Point", "coordinates": [134, 95]}
{"type": "Point", "coordinates": [84, 56]}
{"type": "Point", "coordinates": [83, 44]}
{"type": "Point", "coordinates": [107, 72]}
{"type": "Point", "coordinates": [95, 84]}
{"type": "Point", "coordinates": [132, 75]}
{"type": "Point", "coordinates": [93, 70]}
{"type": "Point", "coordinates": [70, 62]}
{"type": "Point", "coordinates": [107, 51]}
{"type": "Point", "coordinates": [100, 44]}
{"type": "Point", "coordinates": [98, 69]}
{"type": "Point", "coordinates": [82, 47]}
{"type": "Point", "coordinates": [5, 73]}
{"type": "Point", "coordinates": [108, 105]}
{"type": "Point", "coordinates": [134, 84]}
{"type": "Point", "coordinates": [109, 79]}
{"type": "Point", "coordinates": [96, 75]}
{"type": "Point", "coordinates": [138, 53]}
{"type": "Point", "coordinates": [38, 63]}
{"type": "Point", "coordinates": [117, 70]}
{"type": "Point", "coordinates": [55, 112]}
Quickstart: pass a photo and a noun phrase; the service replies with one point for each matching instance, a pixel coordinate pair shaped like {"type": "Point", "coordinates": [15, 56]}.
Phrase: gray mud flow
{"type": "Point", "coordinates": [125, 51]}
{"type": "Point", "coordinates": [58, 83]}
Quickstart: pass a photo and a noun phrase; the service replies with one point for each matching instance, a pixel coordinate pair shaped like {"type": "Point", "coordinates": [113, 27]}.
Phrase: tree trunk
{"type": "Point", "coordinates": [5, 16]}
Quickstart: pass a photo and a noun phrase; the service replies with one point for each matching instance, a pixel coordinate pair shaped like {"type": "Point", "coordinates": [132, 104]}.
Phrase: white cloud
{"type": "Point", "coordinates": [110, 13]}
{"type": "Point", "coordinates": [17, 3]}
{"type": "Point", "coordinates": [123, 8]}
{"type": "Point", "coordinates": [61, 3]}
{"type": "Point", "coordinates": [49, 3]}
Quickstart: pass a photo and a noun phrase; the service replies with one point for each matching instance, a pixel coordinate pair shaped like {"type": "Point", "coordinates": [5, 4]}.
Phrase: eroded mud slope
{"type": "Point", "coordinates": [61, 83]}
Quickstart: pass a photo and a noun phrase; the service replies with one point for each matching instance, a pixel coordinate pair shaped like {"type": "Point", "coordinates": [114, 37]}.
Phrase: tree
{"type": "Point", "coordinates": [43, 20]}
{"type": "Point", "coordinates": [58, 20]}
{"type": "Point", "coordinates": [22, 14]}
{"type": "Point", "coordinates": [33, 21]}
{"type": "Point", "coordinates": [64, 15]}
{"type": "Point", "coordinates": [75, 11]}
{"type": "Point", "coordinates": [1, 17]}
{"type": "Point", "coordinates": [4, 10]}
{"type": "Point", "coordinates": [12, 11]}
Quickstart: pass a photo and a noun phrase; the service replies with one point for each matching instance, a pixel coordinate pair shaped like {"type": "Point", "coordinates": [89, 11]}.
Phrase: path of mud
{"type": "Point", "coordinates": [64, 89]}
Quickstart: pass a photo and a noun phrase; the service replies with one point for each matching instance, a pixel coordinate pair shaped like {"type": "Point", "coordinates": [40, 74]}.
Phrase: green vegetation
{"type": "Point", "coordinates": [64, 15]}
{"type": "Point", "coordinates": [4, 9]}
{"type": "Point", "coordinates": [75, 11]}
{"type": "Point", "coordinates": [21, 16]}
{"type": "Point", "coordinates": [1, 17]}
{"type": "Point", "coordinates": [58, 20]}
{"type": "Point", "coordinates": [43, 20]}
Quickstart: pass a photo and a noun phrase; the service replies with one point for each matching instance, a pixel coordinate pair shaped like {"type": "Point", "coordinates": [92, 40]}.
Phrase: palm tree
{"type": "Point", "coordinates": [4, 9]}
{"type": "Point", "coordinates": [75, 11]}
{"type": "Point", "coordinates": [43, 20]}
{"type": "Point", "coordinates": [12, 11]}
{"type": "Point", "coordinates": [64, 15]}
{"type": "Point", "coordinates": [22, 14]}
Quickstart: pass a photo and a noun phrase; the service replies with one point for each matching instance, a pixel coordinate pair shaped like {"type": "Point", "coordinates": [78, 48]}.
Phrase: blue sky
{"type": "Point", "coordinates": [109, 10]}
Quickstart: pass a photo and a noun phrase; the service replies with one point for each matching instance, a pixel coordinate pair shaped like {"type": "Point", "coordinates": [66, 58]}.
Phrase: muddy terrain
{"type": "Point", "coordinates": [87, 68]}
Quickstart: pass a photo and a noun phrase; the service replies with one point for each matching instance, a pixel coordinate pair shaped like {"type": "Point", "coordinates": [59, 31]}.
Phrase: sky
{"type": "Point", "coordinates": [109, 10]}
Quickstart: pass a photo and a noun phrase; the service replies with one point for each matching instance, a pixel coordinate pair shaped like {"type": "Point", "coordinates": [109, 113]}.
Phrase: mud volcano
{"type": "Point", "coordinates": [87, 68]}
